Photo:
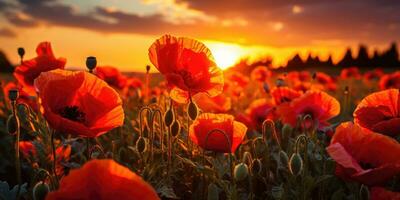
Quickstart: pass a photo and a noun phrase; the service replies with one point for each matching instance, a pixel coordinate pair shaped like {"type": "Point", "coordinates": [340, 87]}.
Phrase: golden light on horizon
{"type": "Point", "coordinates": [226, 55]}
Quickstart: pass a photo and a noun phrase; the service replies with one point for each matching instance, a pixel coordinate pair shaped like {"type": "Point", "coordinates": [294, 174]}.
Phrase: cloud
{"type": "Point", "coordinates": [6, 32]}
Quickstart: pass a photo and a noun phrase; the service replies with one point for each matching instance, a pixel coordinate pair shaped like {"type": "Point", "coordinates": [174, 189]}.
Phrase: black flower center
{"type": "Point", "coordinates": [73, 113]}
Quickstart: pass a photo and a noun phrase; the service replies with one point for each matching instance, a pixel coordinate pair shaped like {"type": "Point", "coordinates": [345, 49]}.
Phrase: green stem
{"type": "Point", "coordinates": [53, 147]}
{"type": "Point", "coordinates": [17, 156]}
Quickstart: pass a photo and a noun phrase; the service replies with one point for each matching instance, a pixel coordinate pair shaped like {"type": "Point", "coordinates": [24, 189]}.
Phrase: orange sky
{"type": "Point", "coordinates": [119, 32]}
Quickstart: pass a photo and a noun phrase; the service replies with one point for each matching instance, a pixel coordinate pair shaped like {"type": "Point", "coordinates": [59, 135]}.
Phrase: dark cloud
{"type": "Point", "coordinates": [6, 32]}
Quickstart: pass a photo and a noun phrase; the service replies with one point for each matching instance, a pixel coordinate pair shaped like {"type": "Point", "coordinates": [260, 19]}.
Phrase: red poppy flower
{"type": "Point", "coordinates": [380, 112]}
{"type": "Point", "coordinates": [323, 78]}
{"type": "Point", "coordinates": [27, 148]}
{"type": "Point", "coordinates": [260, 73]}
{"type": "Point", "coordinates": [188, 67]}
{"type": "Point", "coordinates": [364, 156]}
{"type": "Point", "coordinates": [284, 94]}
{"type": "Point", "coordinates": [237, 79]}
{"type": "Point", "coordinates": [319, 105]}
{"type": "Point", "coordinates": [24, 97]}
{"type": "Point", "coordinates": [30, 69]}
{"type": "Point", "coordinates": [133, 82]}
{"type": "Point", "coordinates": [375, 74]}
{"type": "Point", "coordinates": [79, 103]}
{"type": "Point", "coordinates": [260, 110]}
{"type": "Point", "coordinates": [102, 180]}
{"type": "Point", "coordinates": [218, 104]}
{"type": "Point", "coordinates": [379, 193]}
{"type": "Point", "coordinates": [351, 72]}
{"type": "Point", "coordinates": [208, 122]}
{"type": "Point", "coordinates": [112, 76]}
{"type": "Point", "coordinates": [390, 81]}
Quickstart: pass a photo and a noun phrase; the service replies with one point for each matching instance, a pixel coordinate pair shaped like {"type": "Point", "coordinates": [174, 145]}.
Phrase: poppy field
{"type": "Point", "coordinates": [194, 131]}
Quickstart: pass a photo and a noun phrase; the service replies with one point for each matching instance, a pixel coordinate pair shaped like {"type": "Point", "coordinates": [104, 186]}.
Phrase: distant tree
{"type": "Point", "coordinates": [362, 59]}
{"type": "Point", "coordinates": [329, 62]}
{"type": "Point", "coordinates": [376, 60]}
{"type": "Point", "coordinates": [347, 59]}
{"type": "Point", "coordinates": [390, 58]}
{"type": "Point", "coordinates": [5, 65]}
{"type": "Point", "coordinates": [295, 62]}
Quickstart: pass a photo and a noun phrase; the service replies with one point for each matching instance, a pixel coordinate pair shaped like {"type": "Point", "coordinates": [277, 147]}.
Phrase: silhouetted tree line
{"type": "Point", "coordinates": [385, 59]}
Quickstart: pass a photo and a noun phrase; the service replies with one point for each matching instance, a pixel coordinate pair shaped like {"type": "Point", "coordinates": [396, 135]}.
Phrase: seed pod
{"type": "Point", "coordinates": [12, 124]}
{"type": "Point", "coordinates": [91, 63]}
{"type": "Point", "coordinates": [241, 171]}
{"type": "Point", "coordinates": [21, 52]}
{"type": "Point", "coordinates": [175, 128]}
{"type": "Point", "coordinates": [40, 190]}
{"type": "Point", "coordinates": [364, 193]}
{"type": "Point", "coordinates": [141, 144]}
{"type": "Point", "coordinates": [192, 110]}
{"type": "Point", "coordinates": [284, 158]}
{"type": "Point", "coordinates": [296, 164]}
{"type": "Point", "coordinates": [213, 192]}
{"type": "Point", "coordinates": [169, 117]}
{"type": "Point", "coordinates": [13, 94]}
{"type": "Point", "coordinates": [256, 166]}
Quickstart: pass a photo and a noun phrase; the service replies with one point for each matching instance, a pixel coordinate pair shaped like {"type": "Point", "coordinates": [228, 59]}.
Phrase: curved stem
{"type": "Point", "coordinates": [141, 111]}
{"type": "Point", "coordinates": [271, 124]}
{"type": "Point", "coordinates": [228, 143]}
{"type": "Point", "coordinates": [155, 112]}
{"type": "Point", "coordinates": [17, 156]}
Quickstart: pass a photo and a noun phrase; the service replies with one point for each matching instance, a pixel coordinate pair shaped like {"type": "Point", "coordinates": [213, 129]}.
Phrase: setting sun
{"type": "Point", "coordinates": [226, 55]}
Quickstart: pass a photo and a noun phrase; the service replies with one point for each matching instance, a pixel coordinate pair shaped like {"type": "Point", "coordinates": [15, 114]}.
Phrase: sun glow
{"type": "Point", "coordinates": [226, 55]}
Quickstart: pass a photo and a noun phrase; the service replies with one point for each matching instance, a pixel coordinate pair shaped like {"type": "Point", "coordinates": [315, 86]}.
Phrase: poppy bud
{"type": "Point", "coordinates": [314, 75]}
{"type": "Point", "coordinates": [280, 82]}
{"type": "Point", "coordinates": [284, 158]}
{"type": "Point", "coordinates": [91, 63]}
{"type": "Point", "coordinates": [241, 171]}
{"type": "Point", "coordinates": [346, 90]}
{"type": "Point", "coordinates": [169, 117]}
{"type": "Point", "coordinates": [364, 193]}
{"type": "Point", "coordinates": [13, 94]}
{"type": "Point", "coordinates": [192, 110]}
{"type": "Point", "coordinates": [12, 124]}
{"type": "Point", "coordinates": [213, 192]}
{"type": "Point", "coordinates": [296, 164]}
{"type": "Point", "coordinates": [175, 128]}
{"type": "Point", "coordinates": [40, 190]}
{"type": "Point", "coordinates": [266, 87]}
{"type": "Point", "coordinates": [147, 68]}
{"type": "Point", "coordinates": [141, 144]}
{"type": "Point", "coordinates": [256, 166]}
{"type": "Point", "coordinates": [277, 192]}
{"type": "Point", "coordinates": [21, 52]}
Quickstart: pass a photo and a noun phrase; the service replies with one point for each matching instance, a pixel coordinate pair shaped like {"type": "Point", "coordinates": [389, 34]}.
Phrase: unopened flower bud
{"type": "Point", "coordinates": [12, 124]}
{"type": "Point", "coordinates": [286, 131]}
{"type": "Point", "coordinates": [296, 164]}
{"type": "Point", "coordinates": [314, 75]}
{"type": "Point", "coordinates": [364, 193]}
{"type": "Point", "coordinates": [280, 82]}
{"type": "Point", "coordinates": [175, 128]}
{"type": "Point", "coordinates": [21, 52]}
{"type": "Point", "coordinates": [192, 110]}
{"type": "Point", "coordinates": [40, 190]}
{"type": "Point", "coordinates": [266, 87]}
{"type": "Point", "coordinates": [147, 68]}
{"type": "Point", "coordinates": [169, 117]}
{"type": "Point", "coordinates": [284, 158]}
{"type": "Point", "coordinates": [213, 192]}
{"type": "Point", "coordinates": [13, 94]}
{"type": "Point", "coordinates": [91, 63]}
{"type": "Point", "coordinates": [141, 144]}
{"type": "Point", "coordinates": [256, 166]}
{"type": "Point", "coordinates": [241, 171]}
